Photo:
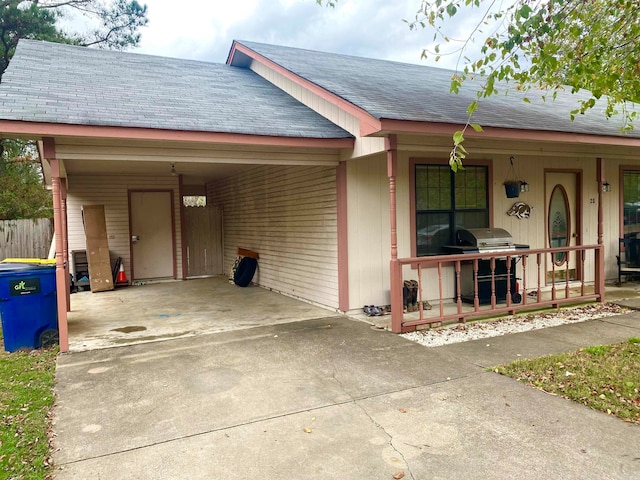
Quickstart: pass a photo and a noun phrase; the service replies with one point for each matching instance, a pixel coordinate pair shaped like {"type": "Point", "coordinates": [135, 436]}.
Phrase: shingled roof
{"type": "Point", "coordinates": [55, 83]}
{"type": "Point", "coordinates": [400, 91]}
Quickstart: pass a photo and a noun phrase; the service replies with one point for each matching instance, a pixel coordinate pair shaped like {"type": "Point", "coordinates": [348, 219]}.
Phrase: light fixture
{"type": "Point", "coordinates": [606, 187]}
{"type": "Point", "coordinates": [524, 186]}
{"type": "Point", "coordinates": [173, 170]}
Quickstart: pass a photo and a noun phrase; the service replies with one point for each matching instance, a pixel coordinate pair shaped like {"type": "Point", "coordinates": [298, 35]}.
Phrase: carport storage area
{"type": "Point", "coordinates": [165, 310]}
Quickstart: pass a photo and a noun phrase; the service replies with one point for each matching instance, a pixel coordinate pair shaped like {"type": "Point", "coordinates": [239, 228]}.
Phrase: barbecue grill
{"type": "Point", "coordinates": [487, 240]}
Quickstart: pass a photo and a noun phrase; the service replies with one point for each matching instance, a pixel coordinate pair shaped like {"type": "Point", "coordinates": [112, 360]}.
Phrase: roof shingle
{"type": "Point", "coordinates": [55, 83]}
{"type": "Point", "coordinates": [400, 91]}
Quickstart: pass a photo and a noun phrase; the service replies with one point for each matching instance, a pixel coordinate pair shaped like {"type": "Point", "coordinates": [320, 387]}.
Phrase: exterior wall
{"type": "Point", "coordinates": [363, 146]}
{"type": "Point", "coordinates": [289, 216]}
{"type": "Point", "coordinates": [112, 192]}
{"type": "Point", "coordinates": [368, 207]}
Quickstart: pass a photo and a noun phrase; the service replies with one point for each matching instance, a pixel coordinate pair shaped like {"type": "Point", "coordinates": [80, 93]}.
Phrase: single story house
{"type": "Point", "coordinates": [334, 168]}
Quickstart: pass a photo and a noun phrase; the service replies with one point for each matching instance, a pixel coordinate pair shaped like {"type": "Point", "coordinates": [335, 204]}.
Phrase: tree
{"type": "Point", "coordinates": [21, 191]}
{"type": "Point", "coordinates": [116, 25]}
{"type": "Point", "coordinates": [549, 45]}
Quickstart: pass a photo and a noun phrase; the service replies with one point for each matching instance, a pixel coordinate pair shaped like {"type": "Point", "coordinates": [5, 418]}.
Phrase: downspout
{"type": "Point", "coordinates": [62, 275]}
{"type": "Point", "coordinates": [391, 146]}
{"type": "Point", "coordinates": [599, 254]}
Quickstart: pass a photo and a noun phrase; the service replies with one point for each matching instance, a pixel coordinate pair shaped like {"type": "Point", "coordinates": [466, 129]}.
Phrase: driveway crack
{"type": "Point", "coordinates": [375, 424]}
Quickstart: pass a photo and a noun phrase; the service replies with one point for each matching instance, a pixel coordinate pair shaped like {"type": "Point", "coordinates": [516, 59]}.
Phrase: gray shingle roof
{"type": "Point", "coordinates": [49, 82]}
{"type": "Point", "coordinates": [399, 91]}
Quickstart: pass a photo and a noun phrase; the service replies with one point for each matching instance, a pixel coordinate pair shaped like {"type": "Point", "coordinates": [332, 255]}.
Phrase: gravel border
{"type": "Point", "coordinates": [446, 335]}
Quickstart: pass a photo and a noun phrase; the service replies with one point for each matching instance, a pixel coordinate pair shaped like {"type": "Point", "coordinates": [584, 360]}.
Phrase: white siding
{"type": "Point", "coordinates": [289, 216]}
{"type": "Point", "coordinates": [112, 192]}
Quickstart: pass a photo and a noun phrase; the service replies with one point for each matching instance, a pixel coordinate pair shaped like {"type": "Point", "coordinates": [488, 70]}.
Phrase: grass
{"type": "Point", "coordinates": [602, 377]}
{"type": "Point", "coordinates": [26, 398]}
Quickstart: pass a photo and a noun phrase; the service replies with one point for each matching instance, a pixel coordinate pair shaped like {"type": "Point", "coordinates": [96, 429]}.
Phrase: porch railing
{"type": "Point", "coordinates": [543, 281]}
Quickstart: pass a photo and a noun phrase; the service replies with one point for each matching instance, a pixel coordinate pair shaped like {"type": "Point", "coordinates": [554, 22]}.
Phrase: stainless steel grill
{"type": "Point", "coordinates": [487, 240]}
{"type": "Point", "coordinates": [480, 280]}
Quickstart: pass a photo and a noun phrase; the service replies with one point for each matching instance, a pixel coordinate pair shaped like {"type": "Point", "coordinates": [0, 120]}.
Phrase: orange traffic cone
{"type": "Point", "coordinates": [121, 279]}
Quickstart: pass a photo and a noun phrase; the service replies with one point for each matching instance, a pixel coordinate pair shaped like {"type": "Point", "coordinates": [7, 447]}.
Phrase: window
{"type": "Point", "coordinates": [446, 201]}
{"type": "Point", "coordinates": [631, 194]}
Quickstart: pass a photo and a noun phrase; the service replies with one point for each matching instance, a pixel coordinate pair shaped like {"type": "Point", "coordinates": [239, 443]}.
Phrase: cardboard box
{"type": "Point", "coordinates": [95, 230]}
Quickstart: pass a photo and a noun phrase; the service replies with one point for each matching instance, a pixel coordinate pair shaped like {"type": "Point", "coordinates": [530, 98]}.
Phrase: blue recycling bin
{"type": "Point", "coordinates": [28, 305]}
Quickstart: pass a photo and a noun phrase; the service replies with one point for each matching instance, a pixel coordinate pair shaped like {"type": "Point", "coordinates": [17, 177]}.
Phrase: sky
{"type": "Point", "coordinates": [204, 29]}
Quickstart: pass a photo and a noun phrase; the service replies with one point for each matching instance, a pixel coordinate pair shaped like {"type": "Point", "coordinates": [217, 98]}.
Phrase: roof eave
{"type": "Point", "coordinates": [38, 130]}
{"type": "Point", "coordinates": [391, 126]}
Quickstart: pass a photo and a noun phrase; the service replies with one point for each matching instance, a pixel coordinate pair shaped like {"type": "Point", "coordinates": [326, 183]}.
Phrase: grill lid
{"type": "Point", "coordinates": [485, 238]}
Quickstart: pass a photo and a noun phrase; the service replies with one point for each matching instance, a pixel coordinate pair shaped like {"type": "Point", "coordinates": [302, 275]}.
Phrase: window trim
{"type": "Point", "coordinates": [413, 161]}
{"type": "Point", "coordinates": [622, 170]}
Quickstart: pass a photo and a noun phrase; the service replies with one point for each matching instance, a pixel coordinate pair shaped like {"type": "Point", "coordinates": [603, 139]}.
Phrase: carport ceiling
{"type": "Point", "coordinates": [191, 171]}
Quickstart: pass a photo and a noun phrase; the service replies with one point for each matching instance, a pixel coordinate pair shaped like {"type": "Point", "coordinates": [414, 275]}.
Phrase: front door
{"type": "Point", "coordinates": [562, 220]}
{"type": "Point", "coordinates": [152, 243]}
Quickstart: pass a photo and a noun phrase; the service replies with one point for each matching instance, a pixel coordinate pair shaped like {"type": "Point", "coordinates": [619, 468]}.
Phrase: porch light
{"type": "Point", "coordinates": [173, 170]}
{"type": "Point", "coordinates": [606, 187]}
{"type": "Point", "coordinates": [524, 186]}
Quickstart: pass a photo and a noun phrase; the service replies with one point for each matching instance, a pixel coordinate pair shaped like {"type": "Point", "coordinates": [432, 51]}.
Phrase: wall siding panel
{"type": "Point", "coordinates": [112, 192]}
{"type": "Point", "coordinates": [289, 216]}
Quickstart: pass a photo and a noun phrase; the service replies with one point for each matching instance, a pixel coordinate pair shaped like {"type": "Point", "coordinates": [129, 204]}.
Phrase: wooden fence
{"type": "Point", "coordinates": [25, 238]}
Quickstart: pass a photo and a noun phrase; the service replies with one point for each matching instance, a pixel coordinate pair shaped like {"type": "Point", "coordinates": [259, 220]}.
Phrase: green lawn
{"type": "Point", "coordinates": [602, 377]}
{"type": "Point", "coordinates": [26, 398]}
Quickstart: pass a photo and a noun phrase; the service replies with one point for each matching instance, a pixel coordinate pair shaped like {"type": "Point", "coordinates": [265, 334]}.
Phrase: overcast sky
{"type": "Point", "coordinates": [205, 29]}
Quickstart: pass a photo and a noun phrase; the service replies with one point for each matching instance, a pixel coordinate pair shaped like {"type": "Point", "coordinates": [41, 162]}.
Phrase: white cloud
{"type": "Point", "coordinates": [203, 30]}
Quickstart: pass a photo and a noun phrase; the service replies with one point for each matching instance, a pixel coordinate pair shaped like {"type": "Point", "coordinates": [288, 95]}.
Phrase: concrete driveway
{"type": "Point", "coordinates": [177, 309]}
{"type": "Point", "coordinates": [332, 399]}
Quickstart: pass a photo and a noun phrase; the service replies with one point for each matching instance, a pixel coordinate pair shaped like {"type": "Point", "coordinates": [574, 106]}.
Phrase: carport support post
{"type": "Point", "coordinates": [391, 146]}
{"type": "Point", "coordinates": [59, 229]}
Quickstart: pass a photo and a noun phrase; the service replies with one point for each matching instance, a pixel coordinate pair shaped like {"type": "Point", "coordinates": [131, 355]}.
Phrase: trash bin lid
{"type": "Point", "coordinates": [38, 261]}
{"type": "Point", "coordinates": [8, 267]}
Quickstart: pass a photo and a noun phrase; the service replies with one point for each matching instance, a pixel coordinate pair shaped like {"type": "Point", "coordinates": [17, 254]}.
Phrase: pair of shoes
{"type": "Point", "coordinates": [372, 310]}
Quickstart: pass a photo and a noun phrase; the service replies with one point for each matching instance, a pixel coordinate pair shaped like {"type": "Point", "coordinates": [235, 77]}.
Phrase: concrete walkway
{"type": "Point", "coordinates": [332, 398]}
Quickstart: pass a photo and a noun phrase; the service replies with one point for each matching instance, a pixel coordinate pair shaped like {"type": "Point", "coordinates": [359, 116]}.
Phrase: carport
{"type": "Point", "coordinates": [164, 310]}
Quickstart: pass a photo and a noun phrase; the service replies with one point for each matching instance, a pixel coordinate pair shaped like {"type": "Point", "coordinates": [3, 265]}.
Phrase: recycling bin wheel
{"type": "Point", "coordinates": [48, 338]}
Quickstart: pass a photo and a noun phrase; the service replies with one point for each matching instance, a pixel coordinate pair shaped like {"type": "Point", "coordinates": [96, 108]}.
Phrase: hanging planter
{"type": "Point", "coordinates": [513, 185]}
{"type": "Point", "coordinates": [512, 188]}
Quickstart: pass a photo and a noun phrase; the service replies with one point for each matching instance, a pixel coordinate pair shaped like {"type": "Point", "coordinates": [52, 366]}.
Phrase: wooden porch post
{"type": "Point", "coordinates": [65, 238]}
{"type": "Point", "coordinates": [599, 254]}
{"type": "Point", "coordinates": [391, 146]}
{"type": "Point", "coordinates": [59, 221]}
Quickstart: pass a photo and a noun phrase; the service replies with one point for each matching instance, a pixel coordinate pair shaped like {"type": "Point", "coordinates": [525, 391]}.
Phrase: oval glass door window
{"type": "Point", "coordinates": [559, 233]}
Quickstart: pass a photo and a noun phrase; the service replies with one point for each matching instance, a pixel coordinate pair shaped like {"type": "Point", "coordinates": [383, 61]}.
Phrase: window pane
{"type": "Point", "coordinates": [471, 188]}
{"type": "Point", "coordinates": [631, 196]}
{"type": "Point", "coordinates": [433, 232]}
{"type": "Point", "coordinates": [433, 187]}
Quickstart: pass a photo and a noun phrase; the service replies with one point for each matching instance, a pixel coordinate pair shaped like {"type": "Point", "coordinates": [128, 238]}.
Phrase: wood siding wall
{"type": "Point", "coordinates": [25, 238]}
{"type": "Point", "coordinates": [112, 192]}
{"type": "Point", "coordinates": [289, 216]}
{"type": "Point", "coordinates": [363, 146]}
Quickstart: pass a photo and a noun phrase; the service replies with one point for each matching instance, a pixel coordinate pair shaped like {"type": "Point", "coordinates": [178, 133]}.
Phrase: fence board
{"type": "Point", "coordinates": [28, 238]}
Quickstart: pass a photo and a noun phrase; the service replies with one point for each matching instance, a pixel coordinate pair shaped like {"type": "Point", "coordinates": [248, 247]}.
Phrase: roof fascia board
{"type": "Point", "coordinates": [368, 123]}
{"type": "Point", "coordinates": [412, 127]}
{"type": "Point", "coordinates": [40, 129]}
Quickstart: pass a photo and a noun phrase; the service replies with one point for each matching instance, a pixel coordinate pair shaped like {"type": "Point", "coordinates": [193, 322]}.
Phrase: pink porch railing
{"type": "Point", "coordinates": [531, 264]}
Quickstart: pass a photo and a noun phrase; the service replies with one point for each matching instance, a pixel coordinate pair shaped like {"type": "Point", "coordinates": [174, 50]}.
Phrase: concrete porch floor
{"type": "Point", "coordinates": [160, 311]}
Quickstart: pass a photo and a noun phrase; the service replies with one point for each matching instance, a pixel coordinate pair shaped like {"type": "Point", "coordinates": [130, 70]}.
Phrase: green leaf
{"type": "Point", "coordinates": [476, 127]}
{"type": "Point", "coordinates": [458, 137]}
{"type": "Point", "coordinates": [473, 106]}
{"type": "Point", "coordinates": [451, 9]}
